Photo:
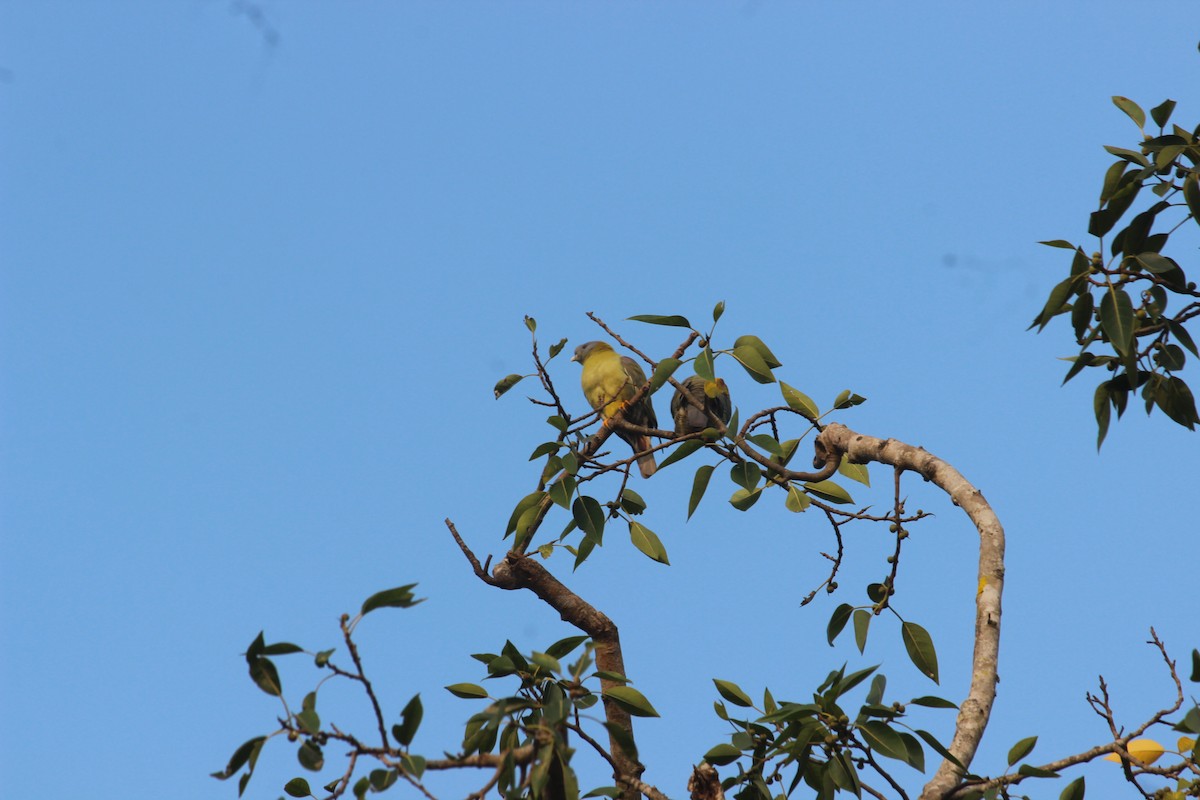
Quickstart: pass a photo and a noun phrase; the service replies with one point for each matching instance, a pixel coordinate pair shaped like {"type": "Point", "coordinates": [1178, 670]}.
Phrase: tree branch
{"type": "Point", "coordinates": [975, 710]}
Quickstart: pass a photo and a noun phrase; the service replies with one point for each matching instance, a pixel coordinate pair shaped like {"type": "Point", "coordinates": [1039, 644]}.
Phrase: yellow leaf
{"type": "Point", "coordinates": [1142, 751]}
{"type": "Point", "coordinates": [1186, 743]}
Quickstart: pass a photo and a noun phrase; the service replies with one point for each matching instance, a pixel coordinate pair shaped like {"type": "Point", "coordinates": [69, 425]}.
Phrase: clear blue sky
{"type": "Point", "coordinates": [254, 297]}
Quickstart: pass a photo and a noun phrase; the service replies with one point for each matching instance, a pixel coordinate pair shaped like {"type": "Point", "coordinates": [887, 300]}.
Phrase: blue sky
{"type": "Point", "coordinates": [254, 299]}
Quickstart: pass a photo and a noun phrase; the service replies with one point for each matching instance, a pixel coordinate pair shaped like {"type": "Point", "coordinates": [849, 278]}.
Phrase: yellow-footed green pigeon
{"type": "Point", "coordinates": [712, 395]}
{"type": "Point", "coordinates": [609, 382]}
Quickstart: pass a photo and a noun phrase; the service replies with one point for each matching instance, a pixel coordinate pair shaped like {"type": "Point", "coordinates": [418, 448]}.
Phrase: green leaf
{"type": "Point", "coordinates": [282, 649]}
{"type": "Point", "coordinates": [704, 364]}
{"type": "Point", "coordinates": [1191, 195]}
{"type": "Point", "coordinates": [310, 756]}
{"type": "Point", "coordinates": [718, 310]}
{"type": "Point", "coordinates": [413, 764]}
{"type": "Point", "coordinates": [1132, 109]}
{"type": "Point", "coordinates": [855, 472]}
{"type": "Point", "coordinates": [766, 442]}
{"type": "Point", "coordinates": [561, 491]}
{"type": "Point", "coordinates": [410, 721]}
{"type": "Point", "coordinates": [545, 448]}
{"type": "Point", "coordinates": [1036, 772]}
{"type": "Point", "coordinates": [942, 751]}
{"type": "Point", "coordinates": [745, 474]}
{"type": "Point", "coordinates": [699, 485]}
{"type": "Point", "coordinates": [1182, 336]}
{"type": "Point", "coordinates": [589, 516]}
{"type": "Point", "coordinates": [265, 676]}
{"type": "Point", "coordinates": [297, 787]}
{"type": "Point", "coordinates": [919, 645]}
{"type": "Point", "coordinates": [632, 502]}
{"type": "Point", "coordinates": [506, 383]}
{"type": "Point", "coordinates": [531, 323]}
{"type": "Point", "coordinates": [829, 491]}
{"type": "Point", "coordinates": [862, 624]}
{"type": "Point", "coordinates": [1021, 749]}
{"type": "Point", "coordinates": [381, 779]}
{"type": "Point", "coordinates": [648, 542]}
{"type": "Point", "coordinates": [1074, 790]}
{"type": "Point", "coordinates": [674, 321]}
{"type": "Point", "coordinates": [1082, 313]}
{"type": "Point", "coordinates": [665, 369]}
{"type": "Point", "coordinates": [1055, 304]}
{"type": "Point", "coordinates": [800, 402]}
{"type": "Point", "coordinates": [564, 647]}
{"type": "Point", "coordinates": [883, 740]}
{"type": "Point", "coordinates": [468, 691]}
{"type": "Point", "coordinates": [756, 344]}
{"type": "Point", "coordinates": [929, 701]}
{"type": "Point", "coordinates": [1153, 262]}
{"type": "Point", "coordinates": [722, 754]}
{"type": "Point", "coordinates": [1116, 318]}
{"type": "Point", "coordinates": [400, 597]}
{"type": "Point", "coordinates": [752, 361]}
{"type": "Point", "coordinates": [796, 500]}
{"type": "Point", "coordinates": [1195, 676]}
{"type": "Point", "coordinates": [743, 499]}
{"type": "Point", "coordinates": [916, 754]}
{"type": "Point", "coordinates": [1062, 243]}
{"type": "Point", "coordinates": [1161, 113]}
{"type": "Point", "coordinates": [527, 502]}
{"type": "Point", "coordinates": [321, 659]}
{"type": "Point", "coordinates": [681, 452]}
{"type": "Point", "coordinates": [1101, 405]}
{"type": "Point", "coordinates": [733, 693]}
{"type": "Point", "coordinates": [631, 700]}
{"type": "Point", "coordinates": [309, 720]}
{"type": "Point", "coordinates": [247, 752]}
{"type": "Point", "coordinates": [841, 615]}
{"type": "Point", "coordinates": [1176, 400]}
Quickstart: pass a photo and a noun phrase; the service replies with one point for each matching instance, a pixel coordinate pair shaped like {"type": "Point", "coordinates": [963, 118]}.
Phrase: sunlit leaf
{"type": "Point", "coordinates": [855, 472]}
{"type": "Point", "coordinates": [1142, 751]}
{"type": "Point", "coordinates": [796, 500]}
{"type": "Point", "coordinates": [743, 499]}
{"type": "Point", "coordinates": [799, 401]}
{"type": "Point", "coordinates": [756, 344]}
{"type": "Point", "coordinates": [469, 691]}
{"type": "Point", "coordinates": [829, 491]}
{"type": "Point", "coordinates": [647, 542]}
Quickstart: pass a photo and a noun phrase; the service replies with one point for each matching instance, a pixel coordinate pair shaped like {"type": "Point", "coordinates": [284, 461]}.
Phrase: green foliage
{"type": "Point", "coordinates": [1118, 304]}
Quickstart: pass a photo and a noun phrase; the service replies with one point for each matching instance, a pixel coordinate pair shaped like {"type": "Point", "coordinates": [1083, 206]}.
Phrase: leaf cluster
{"type": "Point", "coordinates": [1129, 307]}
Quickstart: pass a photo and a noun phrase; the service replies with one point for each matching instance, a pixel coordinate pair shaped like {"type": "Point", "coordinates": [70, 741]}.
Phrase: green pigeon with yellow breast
{"type": "Point", "coordinates": [712, 397]}
{"type": "Point", "coordinates": [609, 382]}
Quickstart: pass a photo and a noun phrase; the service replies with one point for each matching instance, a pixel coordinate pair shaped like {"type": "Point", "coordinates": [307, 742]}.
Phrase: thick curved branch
{"type": "Point", "coordinates": [976, 709]}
